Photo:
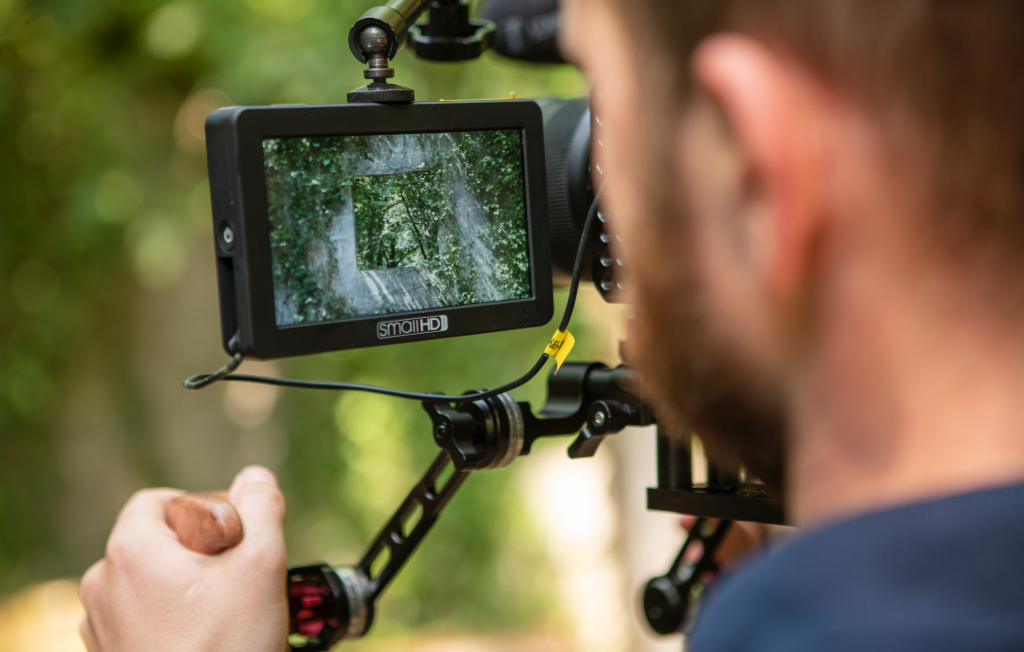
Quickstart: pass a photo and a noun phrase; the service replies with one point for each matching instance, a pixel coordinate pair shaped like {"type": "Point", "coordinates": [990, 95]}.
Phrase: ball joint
{"type": "Point", "coordinates": [375, 44]}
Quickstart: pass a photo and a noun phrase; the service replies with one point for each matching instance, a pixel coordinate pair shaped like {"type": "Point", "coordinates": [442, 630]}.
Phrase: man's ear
{"type": "Point", "coordinates": [768, 103]}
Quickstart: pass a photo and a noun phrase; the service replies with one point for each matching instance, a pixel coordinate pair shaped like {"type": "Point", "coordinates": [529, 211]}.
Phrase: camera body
{"type": "Point", "coordinates": [358, 225]}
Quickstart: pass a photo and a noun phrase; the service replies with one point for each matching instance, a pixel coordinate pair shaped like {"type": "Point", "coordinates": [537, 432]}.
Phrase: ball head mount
{"type": "Point", "coordinates": [375, 43]}
{"type": "Point", "coordinates": [449, 34]}
{"type": "Point", "coordinates": [330, 604]}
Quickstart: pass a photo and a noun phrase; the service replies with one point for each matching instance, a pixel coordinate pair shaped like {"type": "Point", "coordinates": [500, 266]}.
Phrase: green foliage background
{"type": "Point", "coordinates": [106, 301]}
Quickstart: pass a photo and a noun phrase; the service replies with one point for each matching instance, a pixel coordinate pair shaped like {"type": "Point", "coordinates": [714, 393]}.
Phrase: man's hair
{"type": "Point", "coordinates": [945, 77]}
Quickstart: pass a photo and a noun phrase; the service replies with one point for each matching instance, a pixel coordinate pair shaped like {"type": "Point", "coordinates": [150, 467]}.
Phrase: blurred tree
{"type": "Point", "coordinates": [103, 196]}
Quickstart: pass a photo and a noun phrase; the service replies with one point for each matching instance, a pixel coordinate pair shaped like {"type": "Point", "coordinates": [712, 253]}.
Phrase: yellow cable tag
{"type": "Point", "coordinates": [559, 347]}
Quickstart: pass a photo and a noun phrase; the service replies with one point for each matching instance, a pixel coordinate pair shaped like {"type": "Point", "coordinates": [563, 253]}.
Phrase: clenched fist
{"type": "Point", "coordinates": [151, 593]}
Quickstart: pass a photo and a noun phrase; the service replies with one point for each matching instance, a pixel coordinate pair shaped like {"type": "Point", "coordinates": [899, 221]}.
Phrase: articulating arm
{"type": "Point", "coordinates": [333, 604]}
{"type": "Point", "coordinates": [329, 605]}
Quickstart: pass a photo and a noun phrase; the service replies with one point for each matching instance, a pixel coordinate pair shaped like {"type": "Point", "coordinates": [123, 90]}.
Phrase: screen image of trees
{"type": "Point", "coordinates": [374, 225]}
{"type": "Point", "coordinates": [395, 224]}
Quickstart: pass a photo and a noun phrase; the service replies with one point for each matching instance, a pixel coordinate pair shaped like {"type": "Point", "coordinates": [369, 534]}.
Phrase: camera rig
{"type": "Point", "coordinates": [490, 430]}
{"type": "Point", "coordinates": [451, 35]}
{"type": "Point", "coordinates": [331, 604]}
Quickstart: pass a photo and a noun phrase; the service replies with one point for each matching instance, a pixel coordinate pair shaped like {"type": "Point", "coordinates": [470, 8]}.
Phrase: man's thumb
{"type": "Point", "coordinates": [259, 502]}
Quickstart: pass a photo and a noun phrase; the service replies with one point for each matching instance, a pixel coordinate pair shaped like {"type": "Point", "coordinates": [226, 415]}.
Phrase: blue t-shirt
{"type": "Point", "coordinates": [941, 576]}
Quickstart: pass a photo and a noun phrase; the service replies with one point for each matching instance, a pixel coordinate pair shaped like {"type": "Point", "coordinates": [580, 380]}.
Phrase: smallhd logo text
{"type": "Point", "coordinates": [407, 327]}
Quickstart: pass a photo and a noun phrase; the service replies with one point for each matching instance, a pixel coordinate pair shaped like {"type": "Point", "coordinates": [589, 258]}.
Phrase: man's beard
{"type": "Point", "coordinates": [693, 378]}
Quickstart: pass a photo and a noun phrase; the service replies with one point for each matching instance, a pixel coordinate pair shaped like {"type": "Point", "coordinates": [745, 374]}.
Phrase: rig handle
{"type": "Point", "coordinates": [205, 522]}
{"type": "Point", "coordinates": [668, 600]}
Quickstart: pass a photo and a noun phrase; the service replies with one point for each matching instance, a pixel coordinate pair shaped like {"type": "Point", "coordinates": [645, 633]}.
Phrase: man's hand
{"type": "Point", "coordinates": [149, 593]}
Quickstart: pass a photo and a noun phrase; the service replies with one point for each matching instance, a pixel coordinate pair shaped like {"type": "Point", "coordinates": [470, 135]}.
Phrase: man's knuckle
{"type": "Point", "coordinates": [90, 587]}
{"type": "Point", "coordinates": [147, 495]}
{"type": "Point", "coordinates": [86, 591]}
{"type": "Point", "coordinates": [120, 548]}
{"type": "Point", "coordinates": [139, 496]}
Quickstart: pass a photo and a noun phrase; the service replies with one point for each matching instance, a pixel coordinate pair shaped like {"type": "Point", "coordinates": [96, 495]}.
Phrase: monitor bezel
{"type": "Point", "coordinates": [239, 195]}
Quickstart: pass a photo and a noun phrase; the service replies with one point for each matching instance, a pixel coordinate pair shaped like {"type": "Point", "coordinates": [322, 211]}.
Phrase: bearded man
{"type": "Point", "coordinates": [821, 204]}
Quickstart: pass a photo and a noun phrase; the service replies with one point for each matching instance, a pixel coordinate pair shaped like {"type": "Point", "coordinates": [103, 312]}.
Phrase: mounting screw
{"type": "Point", "coordinates": [441, 431]}
{"type": "Point", "coordinates": [608, 417]}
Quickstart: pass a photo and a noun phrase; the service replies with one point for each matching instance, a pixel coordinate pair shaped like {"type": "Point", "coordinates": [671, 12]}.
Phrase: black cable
{"type": "Point", "coordinates": [397, 393]}
{"type": "Point", "coordinates": [204, 380]}
{"type": "Point", "coordinates": [577, 268]}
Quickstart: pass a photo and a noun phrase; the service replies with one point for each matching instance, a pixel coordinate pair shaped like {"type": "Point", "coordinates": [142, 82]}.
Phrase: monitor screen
{"type": "Point", "coordinates": [363, 226]}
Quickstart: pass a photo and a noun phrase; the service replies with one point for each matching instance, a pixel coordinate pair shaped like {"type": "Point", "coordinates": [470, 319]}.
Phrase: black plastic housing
{"type": "Point", "coordinates": [239, 196]}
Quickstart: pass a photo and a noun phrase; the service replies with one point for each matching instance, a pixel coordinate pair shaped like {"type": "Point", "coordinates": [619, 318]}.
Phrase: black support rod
{"type": "Point", "coordinates": [400, 537]}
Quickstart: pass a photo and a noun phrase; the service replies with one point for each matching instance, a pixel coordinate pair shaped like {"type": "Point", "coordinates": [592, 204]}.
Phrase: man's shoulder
{"type": "Point", "coordinates": [934, 574]}
{"type": "Point", "coordinates": [906, 636]}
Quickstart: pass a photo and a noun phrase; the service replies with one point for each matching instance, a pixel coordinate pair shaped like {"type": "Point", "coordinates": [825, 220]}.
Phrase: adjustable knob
{"type": "Point", "coordinates": [450, 34]}
{"type": "Point", "coordinates": [485, 434]}
{"type": "Point", "coordinates": [608, 417]}
{"type": "Point", "coordinates": [604, 418]}
{"type": "Point", "coordinates": [665, 605]}
{"type": "Point", "coordinates": [326, 606]}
